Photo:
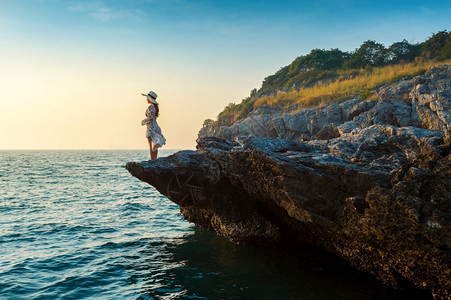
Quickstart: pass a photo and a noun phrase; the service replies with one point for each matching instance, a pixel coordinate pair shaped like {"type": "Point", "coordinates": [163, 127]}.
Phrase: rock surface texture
{"type": "Point", "coordinates": [372, 185]}
{"type": "Point", "coordinates": [419, 102]}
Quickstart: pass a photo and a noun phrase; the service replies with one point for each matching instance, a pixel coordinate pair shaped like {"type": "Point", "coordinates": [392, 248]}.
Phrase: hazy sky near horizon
{"type": "Point", "coordinates": [72, 72]}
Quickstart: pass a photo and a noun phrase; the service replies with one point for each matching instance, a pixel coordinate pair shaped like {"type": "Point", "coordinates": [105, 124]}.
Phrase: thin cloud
{"type": "Point", "coordinates": [9, 21]}
{"type": "Point", "coordinates": [103, 13]}
{"type": "Point", "coordinates": [83, 7]}
{"type": "Point", "coordinates": [427, 11]}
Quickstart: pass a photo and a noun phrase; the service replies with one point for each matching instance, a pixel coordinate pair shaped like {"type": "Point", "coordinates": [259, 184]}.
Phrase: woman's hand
{"type": "Point", "coordinates": [145, 121]}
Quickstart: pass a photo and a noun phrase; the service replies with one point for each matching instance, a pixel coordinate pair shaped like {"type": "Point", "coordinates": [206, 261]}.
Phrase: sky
{"type": "Point", "coordinates": [72, 72]}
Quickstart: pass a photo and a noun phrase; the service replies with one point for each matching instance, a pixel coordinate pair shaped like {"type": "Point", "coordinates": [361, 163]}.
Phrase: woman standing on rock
{"type": "Point", "coordinates": [153, 134]}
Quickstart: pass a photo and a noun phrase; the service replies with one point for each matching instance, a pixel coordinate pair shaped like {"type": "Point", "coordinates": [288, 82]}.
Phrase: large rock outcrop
{"type": "Point", "coordinates": [420, 102]}
{"type": "Point", "coordinates": [376, 191]}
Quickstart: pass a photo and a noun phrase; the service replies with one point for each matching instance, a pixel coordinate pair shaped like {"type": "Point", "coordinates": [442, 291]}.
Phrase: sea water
{"type": "Point", "coordinates": [77, 225]}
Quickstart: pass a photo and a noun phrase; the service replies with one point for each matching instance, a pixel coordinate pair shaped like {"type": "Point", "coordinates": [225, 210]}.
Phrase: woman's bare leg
{"type": "Point", "coordinates": [155, 153]}
{"type": "Point", "coordinates": [149, 139]}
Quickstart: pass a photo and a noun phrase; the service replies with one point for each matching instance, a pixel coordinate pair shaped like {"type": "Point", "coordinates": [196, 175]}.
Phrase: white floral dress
{"type": "Point", "coordinates": [153, 130]}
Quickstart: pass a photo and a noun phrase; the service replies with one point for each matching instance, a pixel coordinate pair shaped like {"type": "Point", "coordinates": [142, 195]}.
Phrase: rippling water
{"type": "Point", "coordinates": [77, 225]}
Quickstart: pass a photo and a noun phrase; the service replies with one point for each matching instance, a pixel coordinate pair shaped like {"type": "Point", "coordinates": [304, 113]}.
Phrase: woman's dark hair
{"type": "Point", "coordinates": [157, 110]}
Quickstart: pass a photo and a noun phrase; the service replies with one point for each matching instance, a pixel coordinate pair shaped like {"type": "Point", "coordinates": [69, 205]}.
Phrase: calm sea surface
{"type": "Point", "coordinates": [77, 225]}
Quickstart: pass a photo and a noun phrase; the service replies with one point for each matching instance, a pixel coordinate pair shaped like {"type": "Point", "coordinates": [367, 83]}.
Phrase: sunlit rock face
{"type": "Point", "coordinates": [422, 101]}
{"type": "Point", "coordinates": [374, 190]}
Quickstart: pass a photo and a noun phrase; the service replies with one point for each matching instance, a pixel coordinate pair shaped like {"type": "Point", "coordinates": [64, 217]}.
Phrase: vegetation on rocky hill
{"type": "Point", "coordinates": [360, 82]}
{"type": "Point", "coordinates": [325, 76]}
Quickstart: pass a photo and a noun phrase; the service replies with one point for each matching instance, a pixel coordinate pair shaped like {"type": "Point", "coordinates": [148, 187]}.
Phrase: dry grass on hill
{"type": "Point", "coordinates": [345, 87]}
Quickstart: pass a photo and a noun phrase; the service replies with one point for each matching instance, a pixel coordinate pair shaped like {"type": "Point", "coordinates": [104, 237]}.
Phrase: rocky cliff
{"type": "Point", "coordinates": [418, 102]}
{"type": "Point", "coordinates": [368, 182]}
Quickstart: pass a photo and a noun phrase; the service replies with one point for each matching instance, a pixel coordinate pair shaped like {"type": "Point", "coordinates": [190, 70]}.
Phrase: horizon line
{"type": "Point", "coordinates": [87, 149]}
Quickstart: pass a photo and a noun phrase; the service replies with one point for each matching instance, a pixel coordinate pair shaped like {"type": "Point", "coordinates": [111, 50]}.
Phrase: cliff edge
{"type": "Point", "coordinates": [368, 182]}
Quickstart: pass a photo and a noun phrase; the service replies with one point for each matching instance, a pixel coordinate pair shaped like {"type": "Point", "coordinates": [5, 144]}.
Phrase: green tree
{"type": "Point", "coordinates": [432, 48]}
{"type": "Point", "coordinates": [318, 59]}
{"type": "Point", "coordinates": [327, 59]}
{"type": "Point", "coordinates": [369, 53]}
{"type": "Point", "coordinates": [276, 81]}
{"type": "Point", "coordinates": [445, 53]}
{"type": "Point", "coordinates": [402, 51]}
{"type": "Point", "coordinates": [207, 122]}
{"type": "Point", "coordinates": [316, 65]}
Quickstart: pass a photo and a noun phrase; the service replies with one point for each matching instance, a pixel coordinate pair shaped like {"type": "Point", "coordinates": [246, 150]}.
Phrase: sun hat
{"type": "Point", "coordinates": [152, 96]}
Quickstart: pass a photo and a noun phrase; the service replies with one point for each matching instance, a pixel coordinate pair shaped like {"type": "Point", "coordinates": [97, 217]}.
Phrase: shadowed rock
{"type": "Point", "coordinates": [383, 205]}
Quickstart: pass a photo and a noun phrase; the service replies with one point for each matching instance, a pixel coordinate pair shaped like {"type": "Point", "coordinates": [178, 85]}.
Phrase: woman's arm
{"type": "Point", "coordinates": [148, 118]}
{"type": "Point", "coordinates": [146, 121]}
